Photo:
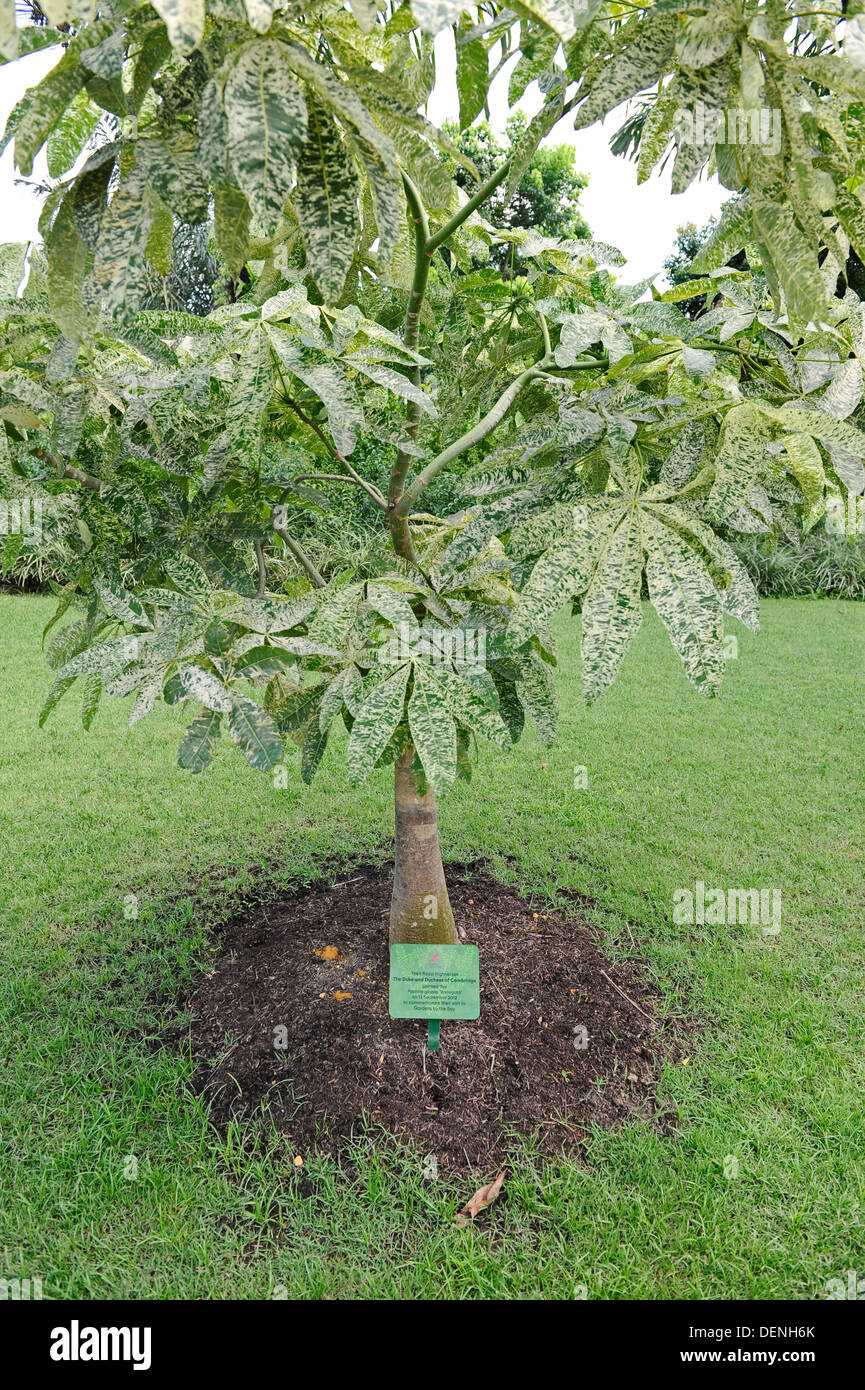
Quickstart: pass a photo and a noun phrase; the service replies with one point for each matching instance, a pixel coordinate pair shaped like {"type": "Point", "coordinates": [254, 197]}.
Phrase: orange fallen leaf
{"type": "Point", "coordinates": [484, 1197]}
{"type": "Point", "coordinates": [341, 994]}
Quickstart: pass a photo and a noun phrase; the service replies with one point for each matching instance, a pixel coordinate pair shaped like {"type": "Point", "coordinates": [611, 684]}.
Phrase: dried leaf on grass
{"type": "Point", "coordinates": [484, 1197]}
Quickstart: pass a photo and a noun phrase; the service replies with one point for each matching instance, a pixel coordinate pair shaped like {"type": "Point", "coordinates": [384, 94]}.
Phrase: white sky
{"type": "Point", "coordinates": [640, 220]}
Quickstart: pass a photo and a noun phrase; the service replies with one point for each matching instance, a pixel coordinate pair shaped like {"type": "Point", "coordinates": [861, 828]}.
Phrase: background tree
{"type": "Point", "coordinates": [625, 436]}
{"type": "Point", "coordinates": [546, 198]}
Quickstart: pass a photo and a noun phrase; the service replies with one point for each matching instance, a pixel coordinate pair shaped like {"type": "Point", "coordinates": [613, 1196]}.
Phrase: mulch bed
{"type": "Point", "coordinates": [345, 1061]}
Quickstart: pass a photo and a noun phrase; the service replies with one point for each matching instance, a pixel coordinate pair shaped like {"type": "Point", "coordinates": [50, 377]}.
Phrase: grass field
{"type": "Point", "coordinates": [761, 788]}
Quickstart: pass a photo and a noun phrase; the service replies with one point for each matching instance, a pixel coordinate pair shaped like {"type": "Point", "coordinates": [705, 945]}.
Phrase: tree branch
{"type": "Point", "coordinates": [493, 417]}
{"type": "Point", "coordinates": [300, 556]}
{"type": "Point", "coordinates": [67, 470]}
{"type": "Point", "coordinates": [465, 212]}
{"type": "Point", "coordinates": [355, 477]}
{"type": "Point", "coordinates": [397, 524]}
{"type": "Point", "coordinates": [262, 568]}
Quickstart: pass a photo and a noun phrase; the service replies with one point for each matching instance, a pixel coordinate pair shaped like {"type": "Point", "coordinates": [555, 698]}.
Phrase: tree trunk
{"type": "Point", "coordinates": [420, 909]}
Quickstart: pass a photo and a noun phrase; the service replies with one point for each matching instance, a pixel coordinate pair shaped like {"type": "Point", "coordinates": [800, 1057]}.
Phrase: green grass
{"type": "Point", "coordinates": [762, 787]}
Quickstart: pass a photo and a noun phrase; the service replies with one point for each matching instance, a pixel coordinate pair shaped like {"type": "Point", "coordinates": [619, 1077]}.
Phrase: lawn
{"type": "Point", "coordinates": [118, 868]}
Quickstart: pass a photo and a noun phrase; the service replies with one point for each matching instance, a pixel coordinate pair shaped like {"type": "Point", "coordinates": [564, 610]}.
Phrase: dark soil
{"type": "Point", "coordinates": [346, 1061]}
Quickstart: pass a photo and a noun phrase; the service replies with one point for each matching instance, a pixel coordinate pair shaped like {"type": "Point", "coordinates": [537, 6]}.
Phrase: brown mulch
{"type": "Point", "coordinates": [344, 1061]}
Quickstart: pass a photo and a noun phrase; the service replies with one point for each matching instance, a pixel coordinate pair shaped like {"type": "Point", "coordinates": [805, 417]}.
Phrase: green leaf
{"type": "Point", "coordinates": [375, 724]}
{"type": "Point", "coordinates": [187, 574]}
{"type": "Point", "coordinates": [119, 272]}
{"type": "Point", "coordinates": [313, 750]}
{"type": "Point", "coordinates": [325, 201]}
{"type": "Point", "coordinates": [231, 225]}
{"type": "Point", "coordinates": [199, 742]}
{"type": "Point", "coordinates": [197, 683]}
{"type": "Point", "coordinates": [254, 732]}
{"type": "Point", "coordinates": [176, 177]}
{"type": "Point", "coordinates": [536, 691]}
{"type": "Point", "coordinates": [432, 728]}
{"type": "Point", "coordinates": [250, 393]}
{"type": "Point", "coordinates": [611, 609]}
{"type": "Point", "coordinates": [159, 242]}
{"type": "Point", "coordinates": [119, 602]}
{"type": "Point", "coordinates": [184, 20]}
{"type": "Point", "coordinates": [267, 128]}
{"type": "Point", "coordinates": [71, 133]}
{"type": "Point", "coordinates": [684, 596]}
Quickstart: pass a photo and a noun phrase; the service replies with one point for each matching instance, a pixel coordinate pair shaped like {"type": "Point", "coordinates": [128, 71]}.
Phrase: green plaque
{"type": "Point", "coordinates": [434, 982]}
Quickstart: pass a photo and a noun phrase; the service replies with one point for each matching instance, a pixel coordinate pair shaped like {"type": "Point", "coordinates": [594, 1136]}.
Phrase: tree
{"type": "Point", "coordinates": [546, 198]}
{"type": "Point", "coordinates": [172, 446]}
{"type": "Point", "coordinates": [689, 240]}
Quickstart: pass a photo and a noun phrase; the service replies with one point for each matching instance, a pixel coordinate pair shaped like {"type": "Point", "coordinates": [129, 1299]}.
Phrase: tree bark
{"type": "Point", "coordinates": [420, 910]}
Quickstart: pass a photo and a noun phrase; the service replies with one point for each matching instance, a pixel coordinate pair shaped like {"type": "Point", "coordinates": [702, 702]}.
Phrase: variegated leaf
{"type": "Point", "coordinates": [684, 596]}
{"type": "Point", "coordinates": [325, 201]}
{"type": "Point", "coordinates": [432, 728]}
{"type": "Point", "coordinates": [611, 608]}
{"type": "Point", "coordinates": [267, 127]}
{"type": "Point", "coordinates": [199, 741]}
{"type": "Point", "coordinates": [375, 723]}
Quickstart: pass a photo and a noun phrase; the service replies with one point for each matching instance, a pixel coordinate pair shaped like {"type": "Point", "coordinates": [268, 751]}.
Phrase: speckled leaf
{"type": "Point", "coordinates": [184, 20]}
{"type": "Point", "coordinates": [432, 728]}
{"type": "Point", "coordinates": [684, 596]}
{"type": "Point", "coordinates": [267, 128]}
{"type": "Point", "coordinates": [611, 608]}
{"type": "Point", "coordinates": [325, 201]}
{"type": "Point", "coordinates": [254, 732]}
{"type": "Point", "coordinates": [119, 272]}
{"type": "Point", "coordinates": [199, 742]}
{"type": "Point", "coordinates": [250, 392]}
{"type": "Point", "coordinates": [375, 723]}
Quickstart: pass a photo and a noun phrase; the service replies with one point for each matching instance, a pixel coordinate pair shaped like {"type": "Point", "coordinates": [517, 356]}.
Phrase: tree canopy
{"type": "Point", "coordinates": [624, 439]}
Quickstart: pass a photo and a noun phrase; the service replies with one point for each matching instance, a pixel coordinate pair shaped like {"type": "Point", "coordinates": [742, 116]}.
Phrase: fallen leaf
{"type": "Point", "coordinates": [484, 1197]}
{"type": "Point", "coordinates": [341, 994]}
